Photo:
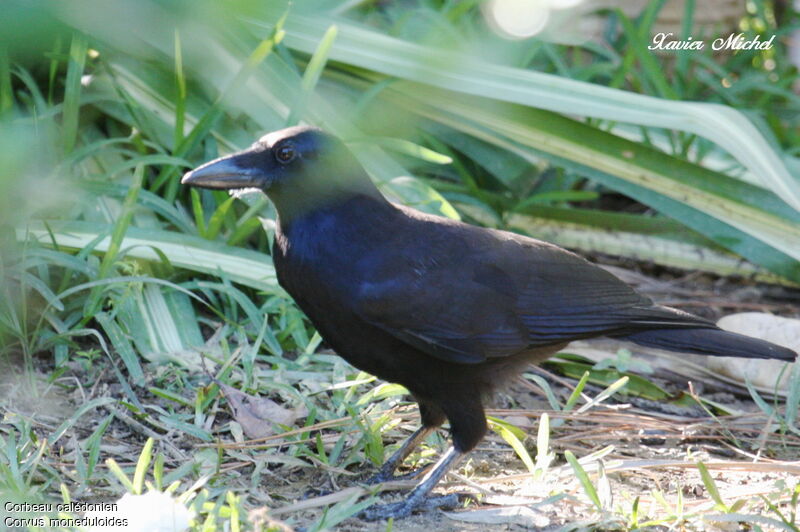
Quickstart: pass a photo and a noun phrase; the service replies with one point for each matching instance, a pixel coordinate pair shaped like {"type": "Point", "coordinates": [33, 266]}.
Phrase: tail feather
{"type": "Point", "coordinates": [711, 341]}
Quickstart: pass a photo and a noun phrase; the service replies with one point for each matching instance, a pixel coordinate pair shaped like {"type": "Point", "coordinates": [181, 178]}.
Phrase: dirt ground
{"type": "Point", "coordinates": [653, 467]}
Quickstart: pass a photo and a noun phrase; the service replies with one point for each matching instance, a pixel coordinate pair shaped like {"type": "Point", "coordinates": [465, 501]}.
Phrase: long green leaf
{"type": "Point", "coordinates": [72, 91]}
{"type": "Point", "coordinates": [190, 252]}
{"type": "Point", "coordinates": [312, 74]}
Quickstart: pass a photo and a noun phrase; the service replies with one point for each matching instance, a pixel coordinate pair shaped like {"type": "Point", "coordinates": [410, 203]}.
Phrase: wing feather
{"type": "Point", "coordinates": [498, 294]}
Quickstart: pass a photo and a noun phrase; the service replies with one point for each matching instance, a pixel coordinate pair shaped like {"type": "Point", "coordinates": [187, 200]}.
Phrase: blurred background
{"type": "Point", "coordinates": [553, 118]}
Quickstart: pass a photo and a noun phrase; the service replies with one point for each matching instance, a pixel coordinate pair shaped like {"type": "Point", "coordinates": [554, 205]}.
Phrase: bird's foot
{"type": "Point", "coordinates": [388, 475]}
{"type": "Point", "coordinates": [399, 510]}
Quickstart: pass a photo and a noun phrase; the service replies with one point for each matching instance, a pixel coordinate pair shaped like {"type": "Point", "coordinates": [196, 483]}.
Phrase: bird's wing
{"type": "Point", "coordinates": [462, 322]}
{"type": "Point", "coordinates": [500, 296]}
{"type": "Point", "coordinates": [565, 297]}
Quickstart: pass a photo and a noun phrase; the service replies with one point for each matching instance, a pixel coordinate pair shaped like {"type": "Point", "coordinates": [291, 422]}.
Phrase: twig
{"type": "Point", "coordinates": [176, 453]}
{"type": "Point", "coordinates": [471, 483]}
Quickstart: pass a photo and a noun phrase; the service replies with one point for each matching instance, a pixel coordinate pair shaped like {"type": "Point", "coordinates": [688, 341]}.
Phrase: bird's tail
{"type": "Point", "coordinates": [710, 341]}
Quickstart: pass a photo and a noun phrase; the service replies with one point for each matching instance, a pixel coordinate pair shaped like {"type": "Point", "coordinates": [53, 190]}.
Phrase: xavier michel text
{"type": "Point", "coordinates": [734, 41]}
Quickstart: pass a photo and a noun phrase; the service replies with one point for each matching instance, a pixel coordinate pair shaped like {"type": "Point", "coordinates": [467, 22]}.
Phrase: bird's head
{"type": "Point", "coordinates": [299, 168]}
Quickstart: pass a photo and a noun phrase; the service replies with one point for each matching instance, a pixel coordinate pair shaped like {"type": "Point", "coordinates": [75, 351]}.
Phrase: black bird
{"type": "Point", "coordinates": [446, 309]}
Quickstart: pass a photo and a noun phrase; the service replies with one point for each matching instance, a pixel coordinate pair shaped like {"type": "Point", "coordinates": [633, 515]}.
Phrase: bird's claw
{"type": "Point", "coordinates": [399, 510]}
{"type": "Point", "coordinates": [388, 476]}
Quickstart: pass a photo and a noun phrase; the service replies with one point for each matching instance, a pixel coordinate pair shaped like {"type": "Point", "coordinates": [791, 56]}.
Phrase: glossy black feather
{"type": "Point", "coordinates": [447, 309]}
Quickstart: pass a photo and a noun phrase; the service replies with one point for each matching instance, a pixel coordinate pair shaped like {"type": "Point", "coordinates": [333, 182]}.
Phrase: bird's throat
{"type": "Point", "coordinates": [298, 202]}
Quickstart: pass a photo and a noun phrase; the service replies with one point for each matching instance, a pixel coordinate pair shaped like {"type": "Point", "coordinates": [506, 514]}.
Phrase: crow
{"type": "Point", "coordinates": [447, 309]}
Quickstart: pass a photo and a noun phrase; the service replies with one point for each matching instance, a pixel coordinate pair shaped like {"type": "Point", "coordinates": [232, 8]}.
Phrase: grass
{"type": "Point", "coordinates": [127, 302]}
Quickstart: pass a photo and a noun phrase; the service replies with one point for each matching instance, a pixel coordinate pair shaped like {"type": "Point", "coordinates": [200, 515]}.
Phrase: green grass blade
{"type": "Point", "coordinates": [120, 475]}
{"type": "Point", "coordinates": [711, 486]}
{"type": "Point", "coordinates": [650, 66]}
{"type": "Point", "coordinates": [584, 479]}
{"type": "Point", "coordinates": [512, 437]}
{"type": "Point", "coordinates": [123, 347]}
{"type": "Point", "coordinates": [70, 422]}
{"type": "Point", "coordinates": [576, 393]}
{"type": "Point", "coordinates": [117, 236]}
{"type": "Point", "coordinates": [605, 394]}
{"type": "Point", "coordinates": [548, 391]}
{"type": "Point", "coordinates": [204, 126]}
{"type": "Point", "coordinates": [145, 457]}
{"type": "Point", "coordinates": [72, 91]}
{"type": "Point", "coordinates": [312, 74]}
{"type": "Point", "coordinates": [6, 91]}
{"type": "Point", "coordinates": [180, 92]}
{"type": "Point", "coordinates": [217, 219]}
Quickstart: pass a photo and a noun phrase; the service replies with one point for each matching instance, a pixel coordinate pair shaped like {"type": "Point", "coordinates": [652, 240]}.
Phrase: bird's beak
{"type": "Point", "coordinates": [230, 172]}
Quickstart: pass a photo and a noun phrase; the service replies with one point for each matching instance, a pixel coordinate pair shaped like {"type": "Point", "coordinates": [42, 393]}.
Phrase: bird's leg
{"type": "Point", "coordinates": [386, 472]}
{"type": "Point", "coordinates": [418, 499]}
{"type": "Point", "coordinates": [431, 416]}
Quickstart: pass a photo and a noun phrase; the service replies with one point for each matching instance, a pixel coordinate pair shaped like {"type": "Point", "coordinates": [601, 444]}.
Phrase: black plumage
{"type": "Point", "coordinates": [446, 309]}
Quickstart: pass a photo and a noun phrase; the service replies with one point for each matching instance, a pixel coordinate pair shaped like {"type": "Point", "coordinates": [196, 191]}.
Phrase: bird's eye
{"type": "Point", "coordinates": [285, 153]}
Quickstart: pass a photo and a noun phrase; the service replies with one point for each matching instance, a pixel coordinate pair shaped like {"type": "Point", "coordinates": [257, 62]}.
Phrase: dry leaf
{"type": "Point", "coordinates": [521, 422]}
{"type": "Point", "coordinates": [257, 416]}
